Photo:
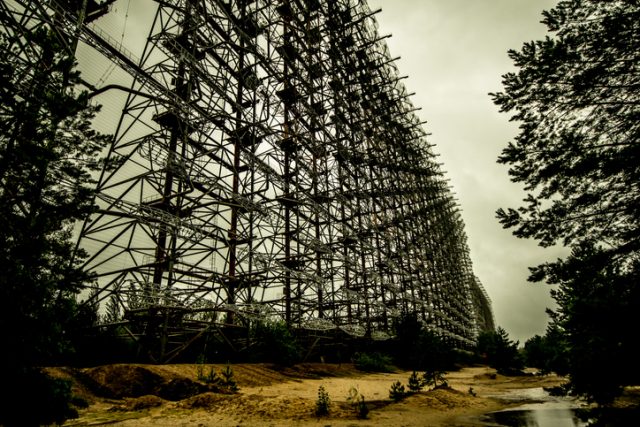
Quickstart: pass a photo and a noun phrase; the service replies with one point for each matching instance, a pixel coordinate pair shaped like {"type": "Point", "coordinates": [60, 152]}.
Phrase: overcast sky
{"type": "Point", "coordinates": [455, 52]}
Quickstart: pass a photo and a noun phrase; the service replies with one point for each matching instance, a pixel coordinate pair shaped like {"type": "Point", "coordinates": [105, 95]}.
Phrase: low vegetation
{"type": "Point", "coordinates": [432, 379]}
{"type": "Point", "coordinates": [397, 391]}
{"type": "Point", "coordinates": [373, 362]}
{"type": "Point", "coordinates": [357, 401]}
{"type": "Point", "coordinates": [323, 402]}
{"type": "Point", "coordinates": [224, 380]}
{"type": "Point", "coordinates": [415, 383]}
{"type": "Point", "coordinates": [273, 342]}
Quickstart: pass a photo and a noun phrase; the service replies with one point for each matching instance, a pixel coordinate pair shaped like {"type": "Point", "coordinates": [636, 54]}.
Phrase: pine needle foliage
{"type": "Point", "coordinates": [49, 155]}
{"type": "Point", "coordinates": [323, 403]}
{"type": "Point", "coordinates": [576, 96]}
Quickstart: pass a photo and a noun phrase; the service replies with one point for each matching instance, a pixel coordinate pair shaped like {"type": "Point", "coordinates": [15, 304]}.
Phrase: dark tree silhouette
{"type": "Point", "coordinates": [577, 97]}
{"type": "Point", "coordinates": [48, 152]}
{"type": "Point", "coordinates": [549, 352]}
{"type": "Point", "coordinates": [499, 351]}
{"type": "Point", "coordinates": [418, 348]}
{"type": "Point", "coordinates": [599, 302]}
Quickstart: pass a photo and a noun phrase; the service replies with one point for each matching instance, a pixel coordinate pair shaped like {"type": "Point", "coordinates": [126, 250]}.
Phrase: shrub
{"type": "Point", "coordinates": [415, 383]}
{"type": "Point", "coordinates": [228, 380]}
{"type": "Point", "coordinates": [362, 409]}
{"type": "Point", "coordinates": [374, 362]}
{"type": "Point", "coordinates": [323, 402]}
{"type": "Point", "coordinates": [548, 353]}
{"type": "Point", "coordinates": [434, 378]}
{"type": "Point", "coordinates": [79, 402]}
{"type": "Point", "coordinates": [225, 379]}
{"type": "Point", "coordinates": [210, 378]}
{"type": "Point", "coordinates": [273, 342]}
{"type": "Point", "coordinates": [397, 392]}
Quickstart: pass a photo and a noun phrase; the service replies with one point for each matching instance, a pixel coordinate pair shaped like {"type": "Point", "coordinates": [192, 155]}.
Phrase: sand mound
{"type": "Point", "coordinates": [445, 398]}
{"type": "Point", "coordinates": [139, 403]}
{"type": "Point", "coordinates": [179, 382]}
{"type": "Point", "coordinates": [486, 376]}
{"type": "Point", "coordinates": [79, 388]}
{"type": "Point", "coordinates": [121, 381]}
{"type": "Point", "coordinates": [206, 400]}
{"type": "Point", "coordinates": [281, 397]}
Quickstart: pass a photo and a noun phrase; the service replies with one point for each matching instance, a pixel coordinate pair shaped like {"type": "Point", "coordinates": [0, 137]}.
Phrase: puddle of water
{"type": "Point", "coordinates": [544, 410]}
{"type": "Point", "coordinates": [563, 418]}
{"type": "Point", "coordinates": [534, 395]}
{"type": "Point", "coordinates": [536, 418]}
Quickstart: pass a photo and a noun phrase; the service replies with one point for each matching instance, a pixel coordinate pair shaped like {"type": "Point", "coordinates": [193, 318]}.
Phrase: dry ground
{"type": "Point", "coordinates": [276, 397]}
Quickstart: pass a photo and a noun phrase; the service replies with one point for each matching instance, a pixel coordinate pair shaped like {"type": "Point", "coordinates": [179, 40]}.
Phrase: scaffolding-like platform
{"type": "Point", "coordinates": [270, 165]}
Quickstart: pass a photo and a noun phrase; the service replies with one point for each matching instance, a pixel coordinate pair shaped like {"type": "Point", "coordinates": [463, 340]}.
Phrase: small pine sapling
{"type": "Point", "coordinates": [434, 378]}
{"type": "Point", "coordinates": [212, 377]}
{"type": "Point", "coordinates": [200, 373]}
{"type": "Point", "coordinates": [363, 410]}
{"type": "Point", "coordinates": [323, 402]}
{"type": "Point", "coordinates": [228, 380]}
{"type": "Point", "coordinates": [415, 383]}
{"type": "Point", "coordinates": [397, 392]}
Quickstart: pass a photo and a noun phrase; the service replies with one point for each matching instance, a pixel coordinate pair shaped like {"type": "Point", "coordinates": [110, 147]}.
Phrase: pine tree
{"type": "Point", "coordinates": [48, 152]}
{"type": "Point", "coordinates": [598, 304]}
{"type": "Point", "coordinates": [576, 96]}
{"type": "Point", "coordinates": [499, 351]}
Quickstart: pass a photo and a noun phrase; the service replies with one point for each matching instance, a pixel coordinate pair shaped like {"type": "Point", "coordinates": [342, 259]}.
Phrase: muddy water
{"type": "Point", "coordinates": [542, 410]}
{"type": "Point", "coordinates": [542, 417]}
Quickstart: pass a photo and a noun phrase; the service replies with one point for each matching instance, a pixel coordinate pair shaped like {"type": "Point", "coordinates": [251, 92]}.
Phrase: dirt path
{"type": "Point", "coordinates": [269, 398]}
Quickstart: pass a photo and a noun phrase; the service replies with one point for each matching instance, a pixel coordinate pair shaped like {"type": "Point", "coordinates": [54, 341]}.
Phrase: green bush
{"type": "Point", "coordinates": [373, 362]}
{"type": "Point", "coordinates": [273, 342]}
{"type": "Point", "coordinates": [228, 380]}
{"type": "Point", "coordinates": [210, 377]}
{"type": "Point", "coordinates": [225, 379]}
{"type": "Point", "coordinates": [397, 392]}
{"type": "Point", "coordinates": [79, 402]}
{"type": "Point", "coordinates": [415, 383]}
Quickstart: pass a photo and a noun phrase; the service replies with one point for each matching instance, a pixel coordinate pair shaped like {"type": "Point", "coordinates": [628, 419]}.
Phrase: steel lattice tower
{"type": "Point", "coordinates": [267, 163]}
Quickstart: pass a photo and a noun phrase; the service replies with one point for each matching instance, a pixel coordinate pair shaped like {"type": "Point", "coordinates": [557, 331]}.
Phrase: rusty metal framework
{"type": "Point", "coordinates": [270, 165]}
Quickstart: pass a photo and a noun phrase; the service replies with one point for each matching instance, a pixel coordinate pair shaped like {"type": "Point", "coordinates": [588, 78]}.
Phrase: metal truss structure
{"type": "Point", "coordinates": [269, 165]}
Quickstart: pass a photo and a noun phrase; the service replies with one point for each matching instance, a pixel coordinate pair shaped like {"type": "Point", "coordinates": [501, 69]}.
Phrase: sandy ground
{"type": "Point", "coordinates": [273, 398]}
